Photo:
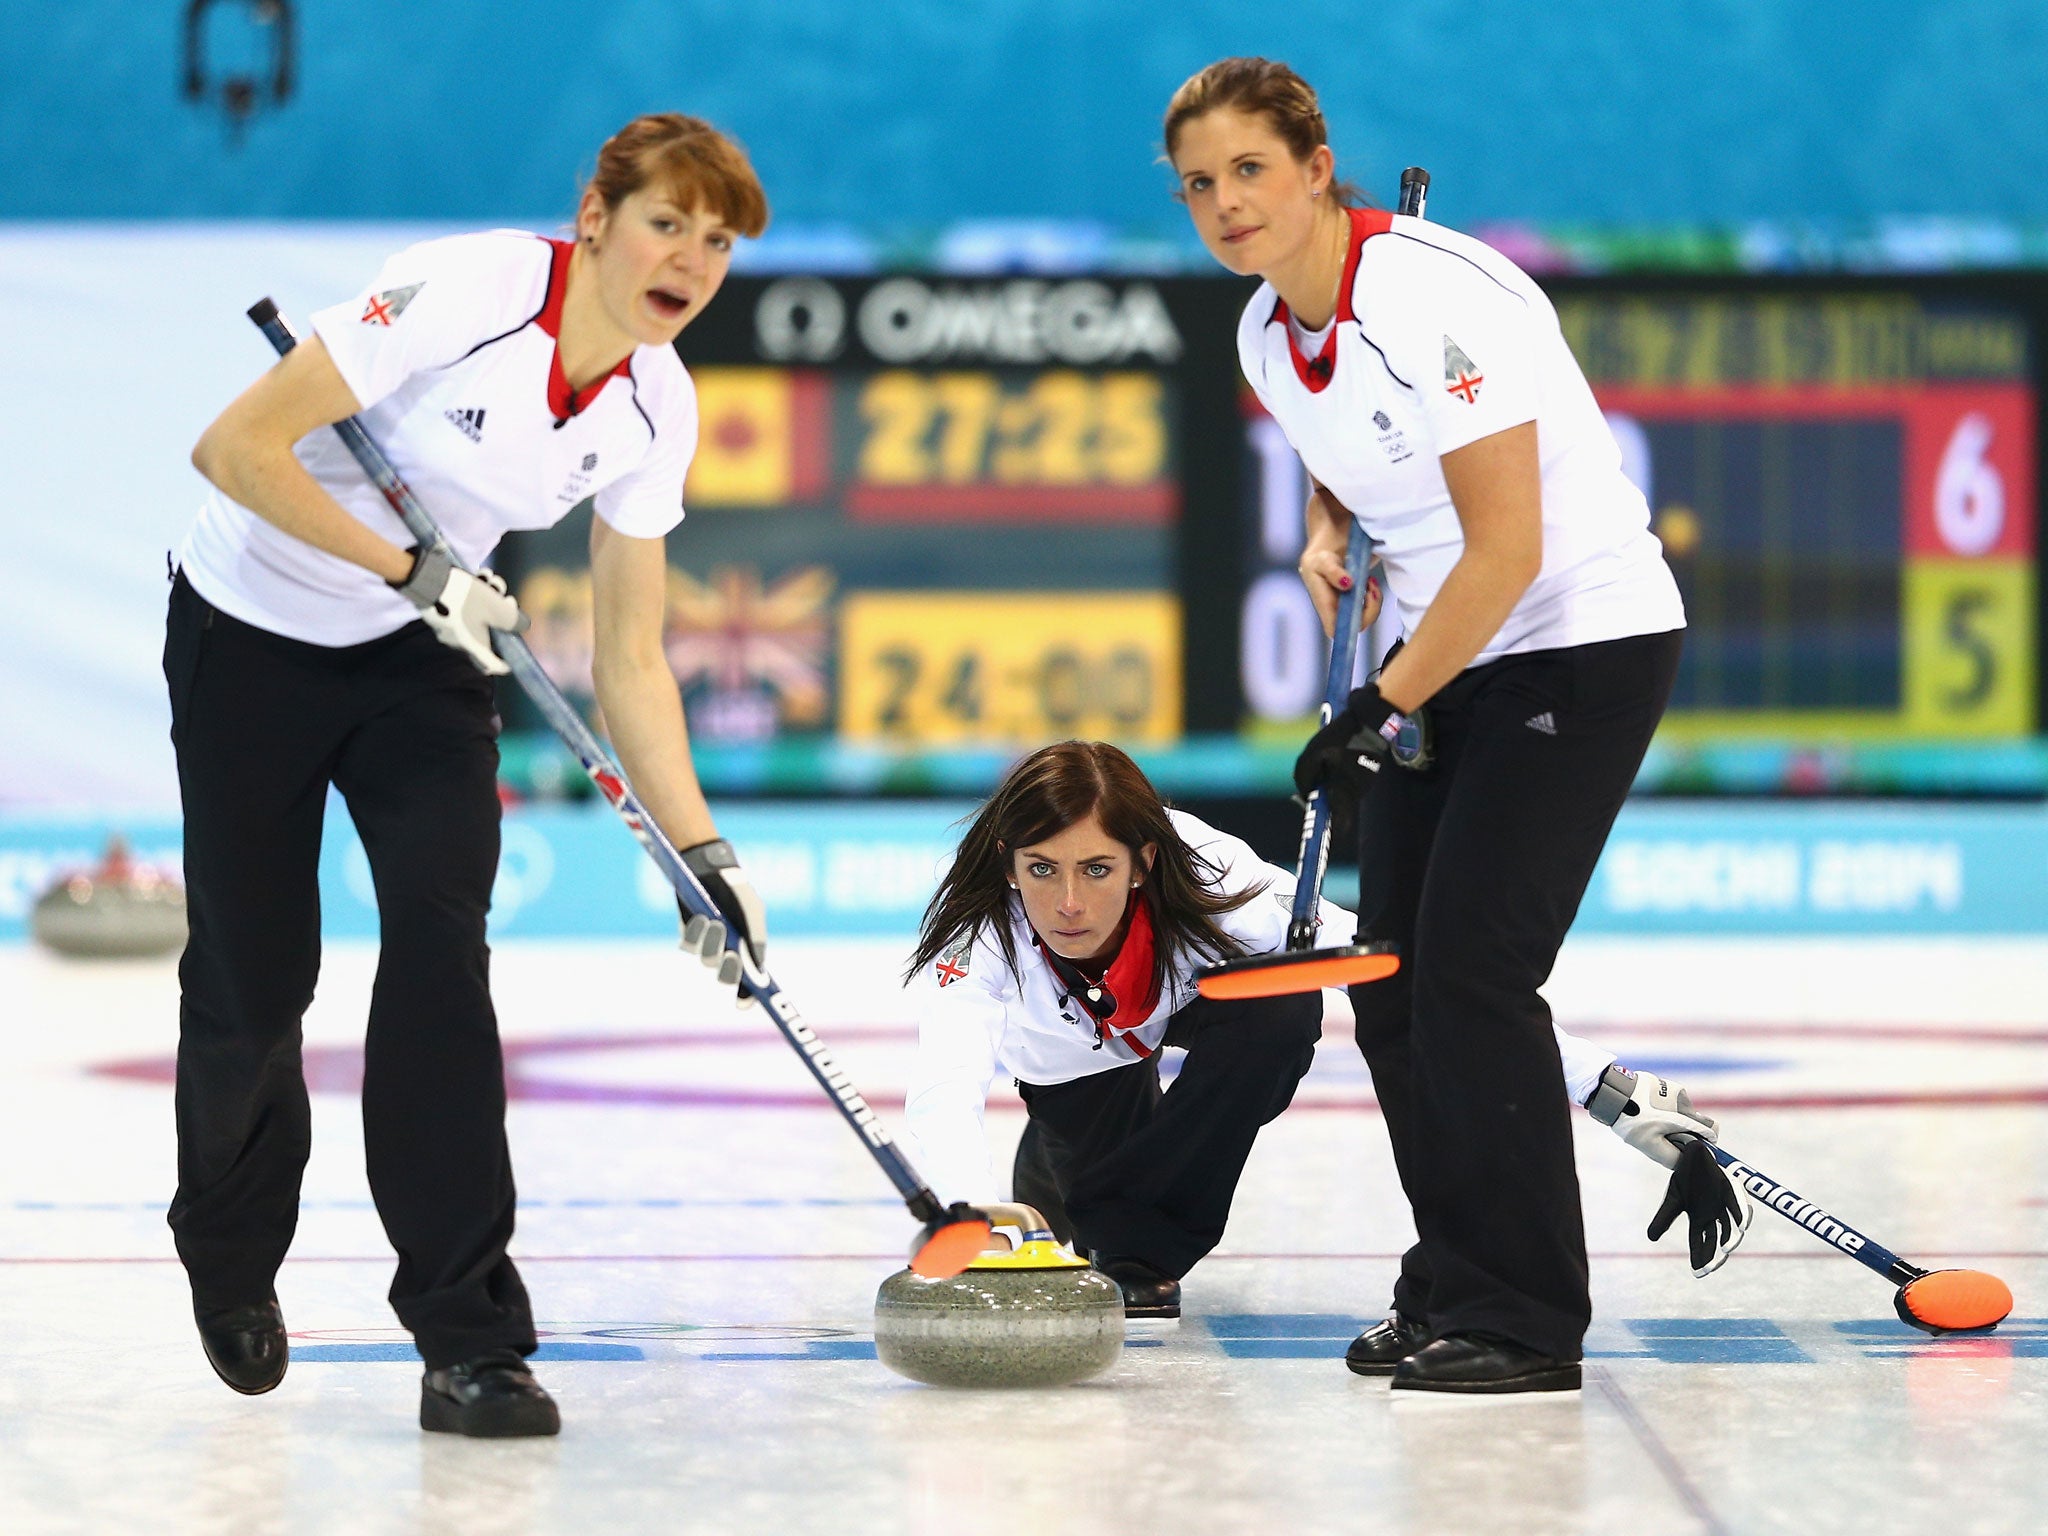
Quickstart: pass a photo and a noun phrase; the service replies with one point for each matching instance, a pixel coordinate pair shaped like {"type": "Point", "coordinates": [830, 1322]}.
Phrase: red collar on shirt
{"type": "Point", "coordinates": [563, 401]}
{"type": "Point", "coordinates": [1131, 982]}
{"type": "Point", "coordinates": [1316, 372]}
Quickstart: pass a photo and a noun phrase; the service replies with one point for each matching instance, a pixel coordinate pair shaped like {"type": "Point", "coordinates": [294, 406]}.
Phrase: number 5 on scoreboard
{"type": "Point", "coordinates": [1969, 657]}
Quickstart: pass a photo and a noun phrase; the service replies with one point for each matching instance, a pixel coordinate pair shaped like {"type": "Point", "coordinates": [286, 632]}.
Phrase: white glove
{"type": "Point", "coordinates": [717, 869]}
{"type": "Point", "coordinates": [460, 608]}
{"type": "Point", "coordinates": [1648, 1113]}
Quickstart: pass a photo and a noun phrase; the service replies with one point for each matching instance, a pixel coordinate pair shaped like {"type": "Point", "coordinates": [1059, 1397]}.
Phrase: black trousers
{"type": "Point", "coordinates": [1476, 868]}
{"type": "Point", "coordinates": [1131, 1172]}
{"type": "Point", "coordinates": [405, 728]}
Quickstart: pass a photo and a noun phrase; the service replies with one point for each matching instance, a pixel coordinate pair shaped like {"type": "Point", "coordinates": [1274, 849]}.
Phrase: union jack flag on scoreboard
{"type": "Point", "coordinates": [736, 632]}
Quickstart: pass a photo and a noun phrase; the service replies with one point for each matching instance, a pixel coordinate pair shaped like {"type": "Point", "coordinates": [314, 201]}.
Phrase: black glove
{"type": "Point", "coordinates": [1716, 1216]}
{"type": "Point", "coordinates": [1362, 738]}
{"type": "Point", "coordinates": [717, 869]}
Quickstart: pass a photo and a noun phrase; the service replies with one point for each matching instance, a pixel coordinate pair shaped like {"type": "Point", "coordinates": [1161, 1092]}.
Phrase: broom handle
{"type": "Point", "coordinates": [1802, 1212]}
{"type": "Point", "coordinates": [1314, 857]}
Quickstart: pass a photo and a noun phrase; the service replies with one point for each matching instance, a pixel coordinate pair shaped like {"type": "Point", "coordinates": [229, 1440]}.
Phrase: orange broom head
{"type": "Point", "coordinates": [1954, 1300]}
{"type": "Point", "coordinates": [949, 1247]}
{"type": "Point", "coordinates": [1298, 970]}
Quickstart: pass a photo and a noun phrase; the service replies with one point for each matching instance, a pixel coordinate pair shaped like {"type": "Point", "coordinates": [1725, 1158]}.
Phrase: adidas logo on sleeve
{"type": "Point", "coordinates": [1543, 722]}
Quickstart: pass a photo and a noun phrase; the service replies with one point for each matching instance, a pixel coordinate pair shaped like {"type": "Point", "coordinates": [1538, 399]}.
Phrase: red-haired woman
{"type": "Point", "coordinates": [508, 377]}
{"type": "Point", "coordinates": [1060, 950]}
{"type": "Point", "coordinates": [1423, 380]}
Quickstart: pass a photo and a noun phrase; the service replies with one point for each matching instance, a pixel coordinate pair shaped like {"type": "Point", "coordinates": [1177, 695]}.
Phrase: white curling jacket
{"type": "Point", "coordinates": [1438, 341]}
{"type": "Point", "coordinates": [452, 354]}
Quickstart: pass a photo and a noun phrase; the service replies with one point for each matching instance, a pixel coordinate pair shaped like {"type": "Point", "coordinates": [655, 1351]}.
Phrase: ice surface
{"type": "Point", "coordinates": [703, 1239]}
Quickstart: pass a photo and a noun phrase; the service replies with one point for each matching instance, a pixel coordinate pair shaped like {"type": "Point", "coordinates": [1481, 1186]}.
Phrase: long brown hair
{"type": "Point", "coordinates": [1041, 797]}
{"type": "Point", "coordinates": [1259, 88]}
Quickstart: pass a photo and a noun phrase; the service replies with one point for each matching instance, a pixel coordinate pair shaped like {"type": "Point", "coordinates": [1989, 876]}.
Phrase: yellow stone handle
{"type": "Point", "coordinates": [1006, 1213]}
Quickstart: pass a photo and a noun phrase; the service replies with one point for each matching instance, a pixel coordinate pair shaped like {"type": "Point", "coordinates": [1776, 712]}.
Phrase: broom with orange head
{"type": "Point", "coordinates": [1301, 966]}
{"type": "Point", "coordinates": [1936, 1301]}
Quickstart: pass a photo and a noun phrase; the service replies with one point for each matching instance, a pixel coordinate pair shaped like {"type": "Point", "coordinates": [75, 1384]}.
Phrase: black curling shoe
{"type": "Point", "coordinates": [1383, 1346]}
{"type": "Point", "coordinates": [493, 1397]}
{"type": "Point", "coordinates": [246, 1345]}
{"type": "Point", "coordinates": [1147, 1293]}
{"type": "Point", "coordinates": [1481, 1362]}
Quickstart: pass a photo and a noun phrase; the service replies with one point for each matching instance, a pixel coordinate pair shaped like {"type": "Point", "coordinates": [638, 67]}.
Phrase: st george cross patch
{"type": "Point", "coordinates": [1461, 375]}
{"type": "Point", "coordinates": [953, 963]}
{"type": "Point", "coordinates": [387, 306]}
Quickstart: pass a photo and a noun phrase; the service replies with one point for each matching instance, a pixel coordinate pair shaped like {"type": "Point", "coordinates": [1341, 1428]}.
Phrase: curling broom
{"type": "Point", "coordinates": [1935, 1301]}
{"type": "Point", "coordinates": [1301, 967]}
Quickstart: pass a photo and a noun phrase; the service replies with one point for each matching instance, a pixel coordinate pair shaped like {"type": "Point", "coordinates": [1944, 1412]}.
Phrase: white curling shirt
{"type": "Point", "coordinates": [978, 1021]}
{"type": "Point", "coordinates": [451, 354]}
{"type": "Point", "coordinates": [1439, 341]}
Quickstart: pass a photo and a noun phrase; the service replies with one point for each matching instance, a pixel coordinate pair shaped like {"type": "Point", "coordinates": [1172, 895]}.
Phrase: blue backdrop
{"type": "Point", "coordinates": [901, 114]}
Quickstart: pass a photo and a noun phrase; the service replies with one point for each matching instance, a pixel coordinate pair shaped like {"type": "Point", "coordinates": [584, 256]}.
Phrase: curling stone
{"type": "Point", "coordinates": [1036, 1316]}
{"type": "Point", "coordinates": [119, 910]}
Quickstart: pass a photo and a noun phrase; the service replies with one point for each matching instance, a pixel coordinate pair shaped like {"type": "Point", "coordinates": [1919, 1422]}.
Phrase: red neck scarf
{"type": "Point", "coordinates": [1129, 989]}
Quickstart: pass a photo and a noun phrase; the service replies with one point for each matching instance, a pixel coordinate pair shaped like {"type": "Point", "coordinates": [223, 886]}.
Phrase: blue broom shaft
{"type": "Point", "coordinates": [1312, 861]}
{"type": "Point", "coordinates": [1802, 1212]}
{"type": "Point", "coordinates": [1314, 856]}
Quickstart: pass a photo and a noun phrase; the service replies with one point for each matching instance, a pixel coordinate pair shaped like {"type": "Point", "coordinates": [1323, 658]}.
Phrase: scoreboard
{"type": "Point", "coordinates": [956, 515]}
{"type": "Point", "coordinates": [1845, 487]}
{"type": "Point", "coordinates": [1844, 481]}
{"type": "Point", "coordinates": [922, 514]}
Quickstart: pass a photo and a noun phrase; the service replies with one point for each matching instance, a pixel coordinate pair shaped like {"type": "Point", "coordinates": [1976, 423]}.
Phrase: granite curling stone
{"type": "Point", "coordinates": [121, 910]}
{"type": "Point", "coordinates": [1036, 1316]}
